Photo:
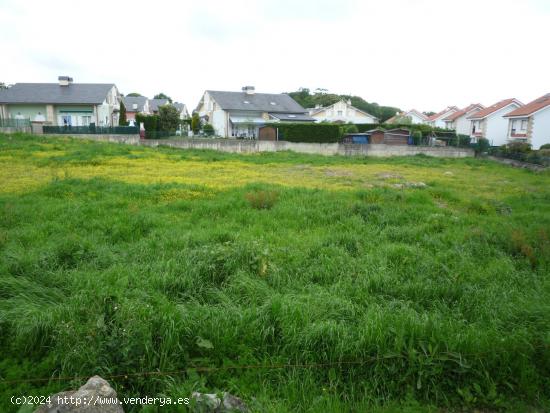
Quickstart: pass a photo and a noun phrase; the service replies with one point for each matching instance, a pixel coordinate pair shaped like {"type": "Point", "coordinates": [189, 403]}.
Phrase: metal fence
{"type": "Point", "coordinates": [15, 123]}
{"type": "Point", "coordinates": [92, 130]}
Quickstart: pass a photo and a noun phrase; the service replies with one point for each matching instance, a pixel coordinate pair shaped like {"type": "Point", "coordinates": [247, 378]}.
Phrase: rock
{"type": "Point", "coordinates": [388, 175]}
{"type": "Point", "coordinates": [416, 185]}
{"type": "Point", "coordinates": [96, 396]}
{"type": "Point", "coordinates": [211, 403]}
{"type": "Point", "coordinates": [448, 173]}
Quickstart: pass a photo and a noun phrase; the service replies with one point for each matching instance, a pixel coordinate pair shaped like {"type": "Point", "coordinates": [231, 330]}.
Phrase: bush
{"type": "Point", "coordinates": [308, 132]}
{"type": "Point", "coordinates": [481, 146]}
{"type": "Point", "coordinates": [262, 199]}
{"type": "Point", "coordinates": [150, 122]}
{"type": "Point", "coordinates": [417, 137]}
{"type": "Point", "coordinates": [352, 129]}
{"type": "Point", "coordinates": [169, 118]}
{"type": "Point", "coordinates": [195, 123]}
{"type": "Point", "coordinates": [208, 129]}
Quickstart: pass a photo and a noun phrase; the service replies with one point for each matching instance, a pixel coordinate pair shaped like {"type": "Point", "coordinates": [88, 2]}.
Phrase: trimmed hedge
{"type": "Point", "coordinates": [308, 132]}
{"type": "Point", "coordinates": [150, 122]}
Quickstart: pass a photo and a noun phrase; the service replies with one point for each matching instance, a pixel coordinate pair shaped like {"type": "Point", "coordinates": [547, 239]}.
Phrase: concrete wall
{"type": "Point", "coordinates": [244, 146]}
{"type": "Point", "coordinates": [128, 139]}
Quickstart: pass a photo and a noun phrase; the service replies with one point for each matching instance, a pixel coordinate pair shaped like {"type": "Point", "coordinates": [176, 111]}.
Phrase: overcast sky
{"type": "Point", "coordinates": [425, 54]}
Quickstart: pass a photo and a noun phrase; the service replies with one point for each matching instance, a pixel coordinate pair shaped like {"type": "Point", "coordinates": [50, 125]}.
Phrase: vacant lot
{"type": "Point", "coordinates": [343, 284]}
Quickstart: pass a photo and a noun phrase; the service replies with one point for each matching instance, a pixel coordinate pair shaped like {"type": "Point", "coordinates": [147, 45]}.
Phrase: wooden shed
{"type": "Point", "coordinates": [267, 133]}
{"type": "Point", "coordinates": [376, 136]}
{"type": "Point", "coordinates": [397, 136]}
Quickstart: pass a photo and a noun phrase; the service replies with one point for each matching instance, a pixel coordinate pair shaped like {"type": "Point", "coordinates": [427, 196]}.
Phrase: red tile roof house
{"type": "Point", "coordinates": [531, 123]}
{"type": "Point", "coordinates": [489, 123]}
{"type": "Point", "coordinates": [459, 121]}
{"type": "Point", "coordinates": [437, 119]}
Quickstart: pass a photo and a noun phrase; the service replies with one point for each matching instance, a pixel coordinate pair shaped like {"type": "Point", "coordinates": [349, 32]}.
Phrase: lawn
{"type": "Point", "coordinates": [303, 283]}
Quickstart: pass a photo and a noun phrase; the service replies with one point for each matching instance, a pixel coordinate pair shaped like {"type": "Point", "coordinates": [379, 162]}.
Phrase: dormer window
{"type": "Point", "coordinates": [272, 103]}
{"type": "Point", "coordinates": [291, 116]}
{"type": "Point", "coordinates": [246, 102]}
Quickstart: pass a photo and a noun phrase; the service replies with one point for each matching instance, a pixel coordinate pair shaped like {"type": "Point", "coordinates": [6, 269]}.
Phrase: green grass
{"type": "Point", "coordinates": [117, 260]}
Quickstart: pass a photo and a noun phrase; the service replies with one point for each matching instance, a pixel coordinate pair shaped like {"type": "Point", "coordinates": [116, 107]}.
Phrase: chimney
{"type": "Point", "coordinates": [65, 80]}
{"type": "Point", "coordinates": [249, 90]}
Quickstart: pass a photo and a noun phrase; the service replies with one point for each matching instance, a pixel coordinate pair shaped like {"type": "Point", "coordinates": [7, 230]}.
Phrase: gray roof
{"type": "Point", "coordinates": [261, 102]}
{"type": "Point", "coordinates": [179, 106]}
{"type": "Point", "coordinates": [129, 102]}
{"type": "Point", "coordinates": [155, 103]}
{"type": "Point", "coordinates": [75, 93]}
{"type": "Point", "coordinates": [293, 117]}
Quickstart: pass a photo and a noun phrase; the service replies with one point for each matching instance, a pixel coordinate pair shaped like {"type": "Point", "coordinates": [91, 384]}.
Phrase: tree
{"type": "Point", "coordinates": [429, 113]}
{"type": "Point", "coordinates": [169, 118]}
{"type": "Point", "coordinates": [195, 123]}
{"type": "Point", "coordinates": [162, 96]}
{"type": "Point", "coordinates": [134, 94]}
{"type": "Point", "coordinates": [122, 116]}
{"type": "Point", "coordinates": [352, 129]}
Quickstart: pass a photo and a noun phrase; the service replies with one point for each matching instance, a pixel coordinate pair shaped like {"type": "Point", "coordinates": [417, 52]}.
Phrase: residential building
{"type": "Point", "coordinates": [530, 123]}
{"type": "Point", "coordinates": [459, 122]}
{"type": "Point", "coordinates": [341, 112]}
{"type": "Point", "coordinates": [413, 116]}
{"type": "Point", "coordinates": [437, 120]}
{"type": "Point", "coordinates": [182, 109]}
{"type": "Point", "coordinates": [490, 124]}
{"type": "Point", "coordinates": [64, 103]}
{"type": "Point", "coordinates": [155, 103]}
{"type": "Point", "coordinates": [134, 105]}
{"type": "Point", "coordinates": [241, 114]}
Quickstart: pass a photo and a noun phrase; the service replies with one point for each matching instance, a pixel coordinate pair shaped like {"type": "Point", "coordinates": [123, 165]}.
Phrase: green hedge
{"type": "Point", "coordinates": [150, 122]}
{"type": "Point", "coordinates": [308, 132]}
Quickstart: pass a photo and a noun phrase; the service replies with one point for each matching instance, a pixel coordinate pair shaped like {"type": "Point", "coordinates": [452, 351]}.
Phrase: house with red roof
{"type": "Point", "coordinates": [437, 120]}
{"type": "Point", "coordinates": [530, 123]}
{"type": "Point", "coordinates": [490, 124]}
{"type": "Point", "coordinates": [459, 121]}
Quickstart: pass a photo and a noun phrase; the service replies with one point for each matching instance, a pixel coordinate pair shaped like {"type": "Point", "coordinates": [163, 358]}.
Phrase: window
{"type": "Point", "coordinates": [339, 113]}
{"type": "Point", "coordinates": [524, 125]}
{"type": "Point", "coordinates": [85, 120]}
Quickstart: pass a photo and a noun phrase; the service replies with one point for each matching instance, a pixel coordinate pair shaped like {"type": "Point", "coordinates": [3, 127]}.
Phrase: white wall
{"type": "Point", "coordinates": [497, 127]}
{"type": "Point", "coordinates": [541, 128]}
{"type": "Point", "coordinates": [218, 121]}
{"type": "Point", "coordinates": [464, 125]}
{"type": "Point", "coordinates": [349, 114]}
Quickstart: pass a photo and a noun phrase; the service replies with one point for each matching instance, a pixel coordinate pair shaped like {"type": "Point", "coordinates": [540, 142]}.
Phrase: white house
{"type": "Point", "coordinates": [490, 124]}
{"type": "Point", "coordinates": [437, 120]}
{"type": "Point", "coordinates": [63, 103]}
{"type": "Point", "coordinates": [341, 112]}
{"type": "Point", "coordinates": [182, 109]}
{"type": "Point", "coordinates": [241, 114]}
{"type": "Point", "coordinates": [530, 123]}
{"type": "Point", "coordinates": [459, 121]}
{"type": "Point", "coordinates": [413, 116]}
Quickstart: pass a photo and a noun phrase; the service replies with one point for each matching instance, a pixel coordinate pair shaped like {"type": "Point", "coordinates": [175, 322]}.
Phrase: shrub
{"type": "Point", "coordinates": [417, 137]}
{"type": "Point", "coordinates": [308, 132]}
{"type": "Point", "coordinates": [262, 199]}
{"type": "Point", "coordinates": [195, 123]}
{"type": "Point", "coordinates": [150, 122]}
{"type": "Point", "coordinates": [169, 118]}
{"type": "Point", "coordinates": [122, 116]}
{"type": "Point", "coordinates": [352, 129]}
{"type": "Point", "coordinates": [481, 146]}
{"type": "Point", "coordinates": [208, 129]}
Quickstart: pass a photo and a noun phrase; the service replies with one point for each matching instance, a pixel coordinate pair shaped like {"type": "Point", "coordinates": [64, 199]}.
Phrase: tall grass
{"type": "Point", "coordinates": [441, 295]}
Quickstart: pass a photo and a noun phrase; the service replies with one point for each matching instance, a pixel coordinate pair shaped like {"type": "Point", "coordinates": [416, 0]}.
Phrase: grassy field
{"type": "Point", "coordinates": [117, 260]}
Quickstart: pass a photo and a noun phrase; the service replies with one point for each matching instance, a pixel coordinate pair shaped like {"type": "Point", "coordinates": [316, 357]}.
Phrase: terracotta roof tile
{"type": "Point", "coordinates": [454, 116]}
{"type": "Point", "coordinates": [493, 108]}
{"type": "Point", "coordinates": [438, 115]}
{"type": "Point", "coordinates": [531, 107]}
